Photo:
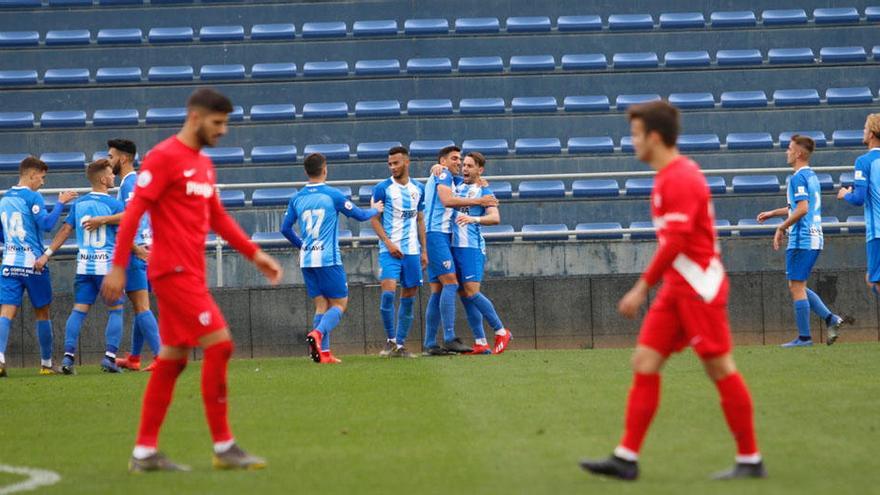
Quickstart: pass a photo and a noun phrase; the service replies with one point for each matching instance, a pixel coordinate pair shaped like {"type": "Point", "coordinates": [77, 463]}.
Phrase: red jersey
{"type": "Point", "coordinates": [176, 186]}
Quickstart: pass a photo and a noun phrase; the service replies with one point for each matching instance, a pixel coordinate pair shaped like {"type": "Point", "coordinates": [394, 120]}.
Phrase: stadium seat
{"type": "Point", "coordinates": [101, 154]}
{"type": "Point", "coordinates": [817, 136]}
{"type": "Point", "coordinates": [68, 37]}
{"type": "Point", "coordinates": [739, 57]}
{"type": "Point", "coordinates": [273, 154]}
{"type": "Point", "coordinates": [635, 60]}
{"type": "Point", "coordinates": [594, 103]}
{"type": "Point", "coordinates": [767, 228]}
{"type": "Point", "coordinates": [875, 52]}
{"type": "Point", "coordinates": [843, 54]}
{"type": "Point", "coordinates": [795, 97]}
{"type": "Point", "coordinates": [595, 188]}
{"type": "Point", "coordinates": [19, 38]}
{"type": "Point", "coordinates": [541, 189]}
{"type": "Point", "coordinates": [530, 104]}
{"type": "Point", "coordinates": [536, 24]}
{"type": "Point", "coordinates": [378, 108]}
{"type": "Point", "coordinates": [626, 144]}
{"type": "Point", "coordinates": [722, 223]}
{"type": "Point", "coordinates": [856, 219]}
{"type": "Point", "coordinates": [428, 148]}
{"type": "Point", "coordinates": [717, 184]}
{"type": "Point", "coordinates": [602, 144]}
{"type": "Point", "coordinates": [847, 137]}
{"type": "Point", "coordinates": [273, 32]}
{"type": "Point", "coordinates": [16, 120]}
{"type": "Point", "coordinates": [829, 227]}
{"type": "Point", "coordinates": [11, 161]}
{"type": "Point", "coordinates": [698, 58]}
{"type": "Point", "coordinates": [469, 25]}
{"type": "Point", "coordinates": [334, 29]}
{"type": "Point", "coordinates": [835, 15]}
{"type": "Point", "coordinates": [365, 193]}
{"type": "Point", "coordinates": [584, 61]}
{"type": "Point", "coordinates": [599, 226]}
{"type": "Point", "coordinates": [736, 18]}
{"type": "Point", "coordinates": [118, 74]}
{"type": "Point", "coordinates": [377, 67]}
{"type": "Point", "coordinates": [692, 100]}
{"type": "Point", "coordinates": [170, 73]}
{"type": "Point", "coordinates": [119, 36]}
{"type": "Point", "coordinates": [375, 28]}
{"type": "Point", "coordinates": [268, 236]}
{"type": "Point", "coordinates": [66, 118]}
{"type": "Point", "coordinates": [20, 3]}
{"type": "Point", "coordinates": [70, 3]}
{"type": "Point", "coordinates": [170, 35]}
{"type": "Point", "coordinates": [225, 155]}
{"type": "Point", "coordinates": [232, 198]}
{"type": "Point", "coordinates": [498, 233]}
{"type": "Point", "coordinates": [221, 72]}
{"type": "Point", "coordinates": [332, 151]}
{"type": "Point", "coordinates": [273, 70]}
{"type": "Point", "coordinates": [755, 183]}
{"type": "Point", "coordinates": [426, 26]}
{"type": "Point", "coordinates": [625, 101]}
{"type": "Point", "coordinates": [520, 63]}
{"type": "Point", "coordinates": [537, 146]}
{"type": "Point", "coordinates": [472, 106]}
{"type": "Point", "coordinates": [367, 235]}
{"type": "Point", "coordinates": [345, 190]}
{"type": "Point", "coordinates": [784, 17]}
{"type": "Point", "coordinates": [872, 13]}
{"type": "Point", "coordinates": [618, 22]}
{"type": "Point", "coordinates": [699, 142]}
{"type": "Point", "coordinates": [488, 147]}
{"type": "Point", "coordinates": [429, 66]}
{"type": "Point", "coordinates": [501, 189]}
{"type": "Point", "coordinates": [743, 99]}
{"type": "Point", "coordinates": [375, 150]}
{"type": "Point", "coordinates": [66, 76]}
{"type": "Point", "coordinates": [277, 196]}
{"type": "Point", "coordinates": [17, 77]}
{"type": "Point", "coordinates": [638, 186]}
{"type": "Point", "coordinates": [826, 183]}
{"type": "Point", "coordinates": [429, 107]}
{"type": "Point", "coordinates": [682, 20]}
{"type": "Point", "coordinates": [642, 235]}
{"type": "Point", "coordinates": [237, 114]}
{"type": "Point", "coordinates": [67, 160]}
{"type": "Point", "coordinates": [579, 23]}
{"type": "Point", "coordinates": [480, 64]}
{"type": "Point", "coordinates": [331, 110]}
{"type": "Point", "coordinates": [546, 231]}
{"type": "Point", "coordinates": [791, 56]}
{"type": "Point", "coordinates": [221, 33]}
{"type": "Point", "coordinates": [325, 69]}
{"type": "Point", "coordinates": [273, 112]}
{"type": "Point", "coordinates": [749, 141]}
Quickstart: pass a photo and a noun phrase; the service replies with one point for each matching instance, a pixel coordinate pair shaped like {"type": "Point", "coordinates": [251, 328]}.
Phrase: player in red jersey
{"type": "Point", "coordinates": [176, 186]}
{"type": "Point", "coordinates": [690, 307]}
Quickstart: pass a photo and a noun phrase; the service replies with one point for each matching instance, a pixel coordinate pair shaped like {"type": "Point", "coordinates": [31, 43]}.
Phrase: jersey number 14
{"type": "Point", "coordinates": [14, 225]}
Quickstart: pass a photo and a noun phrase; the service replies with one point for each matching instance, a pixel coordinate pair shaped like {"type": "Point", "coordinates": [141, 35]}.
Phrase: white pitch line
{"type": "Point", "coordinates": [36, 479]}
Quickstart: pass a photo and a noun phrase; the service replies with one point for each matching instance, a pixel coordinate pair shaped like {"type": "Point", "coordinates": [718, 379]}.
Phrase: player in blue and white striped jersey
{"type": "Point", "coordinates": [24, 220]}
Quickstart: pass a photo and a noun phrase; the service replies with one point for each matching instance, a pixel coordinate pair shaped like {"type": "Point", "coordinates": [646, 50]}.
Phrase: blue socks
{"type": "Point", "coordinates": [137, 338]}
{"type": "Point", "coordinates": [802, 317]}
{"type": "Point", "coordinates": [487, 309]}
{"type": "Point", "coordinates": [113, 332]}
{"type": "Point", "coordinates": [5, 325]}
{"type": "Point", "coordinates": [71, 331]}
{"type": "Point", "coordinates": [147, 328]}
{"type": "Point", "coordinates": [404, 318]}
{"type": "Point", "coordinates": [386, 309]}
{"type": "Point", "coordinates": [44, 335]}
{"type": "Point", "coordinates": [447, 310]}
{"type": "Point", "coordinates": [328, 323]}
{"type": "Point", "coordinates": [432, 320]}
{"type": "Point", "coordinates": [474, 318]}
{"type": "Point", "coordinates": [817, 305]}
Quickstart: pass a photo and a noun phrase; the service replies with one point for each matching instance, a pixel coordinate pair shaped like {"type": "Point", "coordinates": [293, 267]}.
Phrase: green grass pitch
{"type": "Point", "coordinates": [516, 423]}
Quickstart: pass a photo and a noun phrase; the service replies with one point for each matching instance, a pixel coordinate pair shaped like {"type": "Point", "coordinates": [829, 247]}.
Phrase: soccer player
{"type": "Point", "coordinates": [469, 255]}
{"type": "Point", "coordinates": [691, 306]}
{"type": "Point", "coordinates": [24, 219]}
{"type": "Point", "coordinates": [805, 241]}
{"type": "Point", "coordinates": [866, 192]}
{"type": "Point", "coordinates": [176, 186]}
{"type": "Point", "coordinates": [92, 263]}
{"type": "Point", "coordinates": [440, 200]}
{"type": "Point", "coordinates": [316, 210]}
{"type": "Point", "coordinates": [402, 257]}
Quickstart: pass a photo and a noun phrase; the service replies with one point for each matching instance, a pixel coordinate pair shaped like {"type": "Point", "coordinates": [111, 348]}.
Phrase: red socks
{"type": "Point", "coordinates": [644, 397]}
{"type": "Point", "coordinates": [157, 398]}
{"type": "Point", "coordinates": [214, 389]}
{"type": "Point", "coordinates": [737, 405]}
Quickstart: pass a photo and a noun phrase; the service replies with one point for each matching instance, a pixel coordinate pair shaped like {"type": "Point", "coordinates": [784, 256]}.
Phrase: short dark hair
{"type": "Point", "coordinates": [398, 150]}
{"type": "Point", "coordinates": [805, 142]}
{"type": "Point", "coordinates": [209, 99]}
{"type": "Point", "coordinates": [314, 164]}
{"type": "Point", "coordinates": [96, 168]}
{"type": "Point", "coordinates": [32, 163]}
{"type": "Point", "coordinates": [659, 117]}
{"type": "Point", "coordinates": [123, 145]}
{"type": "Point", "coordinates": [447, 150]}
{"type": "Point", "coordinates": [478, 158]}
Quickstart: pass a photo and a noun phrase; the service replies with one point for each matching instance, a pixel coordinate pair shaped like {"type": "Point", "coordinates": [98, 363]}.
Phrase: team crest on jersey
{"type": "Point", "coordinates": [414, 195]}
{"type": "Point", "coordinates": [472, 193]}
{"type": "Point", "coordinates": [447, 264]}
{"type": "Point", "coordinates": [144, 178]}
{"type": "Point", "coordinates": [442, 175]}
{"type": "Point", "coordinates": [205, 318]}
{"type": "Point", "coordinates": [35, 209]}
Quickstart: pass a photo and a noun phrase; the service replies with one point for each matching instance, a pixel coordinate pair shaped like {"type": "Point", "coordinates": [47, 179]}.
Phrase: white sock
{"type": "Point", "coordinates": [46, 362]}
{"type": "Point", "coordinates": [626, 454]}
{"type": "Point", "coordinates": [481, 342]}
{"type": "Point", "coordinates": [141, 452]}
{"type": "Point", "coordinates": [749, 459]}
{"type": "Point", "coordinates": [110, 355]}
{"type": "Point", "coordinates": [501, 332]}
{"type": "Point", "coordinates": [398, 345]}
{"type": "Point", "coordinates": [221, 447]}
{"type": "Point", "coordinates": [2, 357]}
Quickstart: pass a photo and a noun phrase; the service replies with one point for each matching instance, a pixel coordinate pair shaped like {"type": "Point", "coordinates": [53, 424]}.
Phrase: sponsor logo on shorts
{"type": "Point", "coordinates": [205, 318]}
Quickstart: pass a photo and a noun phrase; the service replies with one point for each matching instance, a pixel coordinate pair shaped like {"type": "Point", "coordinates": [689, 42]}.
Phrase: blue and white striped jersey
{"type": "Point", "coordinates": [867, 173]}
{"type": "Point", "coordinates": [806, 233]}
{"type": "Point", "coordinates": [24, 217]}
{"type": "Point", "coordinates": [438, 218]}
{"type": "Point", "coordinates": [95, 247]}
{"type": "Point", "coordinates": [144, 235]}
{"type": "Point", "coordinates": [470, 236]}
{"type": "Point", "coordinates": [400, 218]}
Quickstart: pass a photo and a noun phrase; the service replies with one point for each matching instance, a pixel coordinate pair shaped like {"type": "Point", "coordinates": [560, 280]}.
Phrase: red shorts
{"type": "Point", "coordinates": [187, 310]}
{"type": "Point", "coordinates": [679, 318]}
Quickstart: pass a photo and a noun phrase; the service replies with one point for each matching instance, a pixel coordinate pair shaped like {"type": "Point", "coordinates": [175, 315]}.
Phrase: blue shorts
{"type": "Point", "coordinates": [873, 248]}
{"type": "Point", "coordinates": [469, 264]}
{"type": "Point", "coordinates": [407, 270]}
{"type": "Point", "coordinates": [86, 289]}
{"type": "Point", "coordinates": [327, 281]}
{"type": "Point", "coordinates": [799, 263]}
{"type": "Point", "coordinates": [38, 286]}
{"type": "Point", "coordinates": [136, 275]}
{"type": "Point", "coordinates": [439, 255]}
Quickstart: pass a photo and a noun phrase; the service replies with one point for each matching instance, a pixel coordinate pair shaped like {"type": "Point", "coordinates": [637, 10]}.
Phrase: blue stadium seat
{"type": "Point", "coordinates": [784, 17]}
{"type": "Point", "coordinates": [847, 137]}
{"type": "Point", "coordinates": [170, 35]}
{"type": "Point", "coordinates": [739, 57]}
{"type": "Point", "coordinates": [426, 26]}
{"type": "Point", "coordinates": [69, 37]}
{"type": "Point", "coordinates": [843, 54]}
{"type": "Point", "coordinates": [377, 67]}
{"type": "Point", "coordinates": [100, 154]}
{"type": "Point", "coordinates": [795, 97]}
{"type": "Point", "coordinates": [66, 160]}
{"type": "Point", "coordinates": [429, 66]}
{"type": "Point", "coordinates": [541, 189]}
{"type": "Point", "coordinates": [232, 198]}
{"type": "Point", "coordinates": [682, 20]}
{"type": "Point", "coordinates": [528, 104]}
{"type": "Point", "coordinates": [65, 118]}
{"type": "Point", "coordinates": [325, 69]}
{"type": "Point", "coordinates": [273, 32]}
{"type": "Point", "coordinates": [170, 73]}
{"type": "Point", "coordinates": [749, 141]}
{"type": "Point", "coordinates": [20, 3]}
{"type": "Point", "coordinates": [367, 235]}
{"type": "Point", "coordinates": [743, 99]}
{"type": "Point", "coordinates": [699, 142]}
{"type": "Point", "coordinates": [755, 183]}
{"type": "Point", "coordinates": [480, 64]}
{"type": "Point", "coordinates": [599, 226]}
{"type": "Point", "coordinates": [428, 148]}
{"type": "Point", "coordinates": [429, 107]}
{"type": "Point", "coordinates": [118, 74]}
{"type": "Point", "coordinates": [471, 106]}
{"type": "Point", "coordinates": [345, 190]}
{"type": "Point", "coordinates": [468, 25]}
{"type": "Point", "coordinates": [278, 196]}
{"type": "Point", "coordinates": [635, 60]}
{"type": "Point", "coordinates": [722, 223]}
{"type": "Point", "coordinates": [601, 144]}
{"type": "Point", "coordinates": [273, 70]}
{"type": "Point", "coordinates": [642, 235]}
{"type": "Point", "coordinates": [520, 63]}
{"type": "Point", "coordinates": [127, 116]}
{"type": "Point", "coordinates": [501, 189]}
{"type": "Point", "coordinates": [699, 58]}
{"type": "Point", "coordinates": [692, 100]}
{"type": "Point", "coordinates": [717, 184]}
{"type": "Point", "coordinates": [375, 28]}
{"type": "Point", "coordinates": [537, 146]}
{"type": "Point", "coordinates": [66, 76]}
{"type": "Point", "coordinates": [488, 147]}
{"type": "Point", "coordinates": [16, 120]}
{"type": "Point", "coordinates": [333, 29]}
{"type": "Point", "coordinates": [273, 154]}
{"type": "Point", "coordinates": [11, 161]}
{"type": "Point", "coordinates": [527, 24]}
{"type": "Point", "coordinates": [365, 193]}
{"type": "Point", "coordinates": [630, 21]}
{"type": "Point", "coordinates": [17, 77]}
{"type": "Point", "coordinates": [19, 38]}
{"type": "Point", "coordinates": [119, 36]}
{"type": "Point", "coordinates": [638, 186]}
{"type": "Point", "coordinates": [817, 136]}
{"type": "Point", "coordinates": [225, 155]}
{"type": "Point", "coordinates": [856, 219]}
{"type": "Point", "coordinates": [875, 52]}
{"type": "Point", "coordinates": [377, 108]}
{"type": "Point", "coordinates": [331, 110]}
{"type": "Point", "coordinates": [597, 103]}
{"type": "Point", "coordinates": [872, 13]}
{"type": "Point", "coordinates": [826, 183]}
{"type": "Point", "coordinates": [221, 72]}
{"type": "Point", "coordinates": [273, 112]}
{"type": "Point", "coordinates": [268, 236]}
{"type": "Point", "coordinates": [768, 227]}
{"type": "Point", "coordinates": [595, 188]}
{"type": "Point", "coordinates": [836, 15]}
{"type": "Point", "coordinates": [791, 56]}
{"type": "Point", "coordinates": [625, 101]}
{"type": "Point", "coordinates": [584, 61]}
{"type": "Point", "coordinates": [332, 151]}
{"type": "Point", "coordinates": [375, 150]}
{"type": "Point", "coordinates": [548, 231]}
{"type": "Point", "coordinates": [829, 227]}
{"type": "Point", "coordinates": [579, 23]}
{"type": "Point", "coordinates": [69, 3]}
{"type": "Point", "coordinates": [221, 33]}
{"type": "Point", "coordinates": [498, 233]}
{"type": "Point", "coordinates": [735, 18]}
{"type": "Point", "coordinates": [626, 144]}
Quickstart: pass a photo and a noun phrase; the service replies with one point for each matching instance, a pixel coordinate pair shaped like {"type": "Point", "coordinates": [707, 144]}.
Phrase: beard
{"type": "Point", "coordinates": [204, 138]}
